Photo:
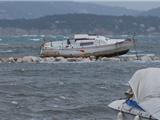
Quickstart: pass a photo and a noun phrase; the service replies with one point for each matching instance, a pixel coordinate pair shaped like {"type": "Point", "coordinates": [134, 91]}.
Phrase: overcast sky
{"type": "Point", "coordinates": [131, 4]}
{"type": "Point", "coordinates": [82, 0]}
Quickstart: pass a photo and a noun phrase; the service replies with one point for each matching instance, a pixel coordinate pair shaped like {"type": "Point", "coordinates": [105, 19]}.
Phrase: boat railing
{"type": "Point", "coordinates": [62, 46]}
{"type": "Point", "coordinates": [99, 42]}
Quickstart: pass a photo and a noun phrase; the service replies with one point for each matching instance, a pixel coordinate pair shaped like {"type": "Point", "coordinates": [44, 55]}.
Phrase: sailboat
{"type": "Point", "coordinates": [85, 45]}
{"type": "Point", "coordinates": [145, 102]}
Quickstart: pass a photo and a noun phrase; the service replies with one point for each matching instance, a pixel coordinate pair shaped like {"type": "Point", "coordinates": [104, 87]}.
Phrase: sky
{"type": "Point", "coordinates": [141, 5]}
{"type": "Point", "coordinates": [135, 5]}
{"type": "Point", "coordinates": [114, 0]}
{"type": "Point", "coordinates": [83, 0]}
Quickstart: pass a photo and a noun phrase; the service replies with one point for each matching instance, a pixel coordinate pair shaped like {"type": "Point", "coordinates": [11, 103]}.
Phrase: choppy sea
{"type": "Point", "coordinates": [64, 91]}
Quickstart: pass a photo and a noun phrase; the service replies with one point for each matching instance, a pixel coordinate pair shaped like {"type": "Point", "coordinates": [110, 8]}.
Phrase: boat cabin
{"type": "Point", "coordinates": [83, 40]}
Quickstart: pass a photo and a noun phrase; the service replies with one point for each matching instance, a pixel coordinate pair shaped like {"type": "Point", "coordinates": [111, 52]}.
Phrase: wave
{"type": "Point", "coordinates": [6, 51]}
{"type": "Point", "coordinates": [134, 51]}
{"type": "Point", "coordinates": [4, 44]}
{"type": "Point", "coordinates": [80, 109]}
{"type": "Point", "coordinates": [139, 54]}
{"type": "Point", "coordinates": [35, 39]}
{"type": "Point", "coordinates": [42, 36]}
{"type": "Point", "coordinates": [30, 35]}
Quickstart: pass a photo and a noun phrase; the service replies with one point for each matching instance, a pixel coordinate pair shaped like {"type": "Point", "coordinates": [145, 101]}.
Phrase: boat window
{"type": "Point", "coordinates": [86, 43]}
{"type": "Point", "coordinates": [107, 39]}
{"type": "Point", "coordinates": [77, 39]}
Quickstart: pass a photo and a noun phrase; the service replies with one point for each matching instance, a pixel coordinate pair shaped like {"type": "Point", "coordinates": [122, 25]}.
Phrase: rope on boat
{"type": "Point", "coordinates": [135, 47]}
{"type": "Point", "coordinates": [120, 115]}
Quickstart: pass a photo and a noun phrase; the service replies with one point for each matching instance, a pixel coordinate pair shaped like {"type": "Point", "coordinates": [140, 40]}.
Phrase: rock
{"type": "Point", "coordinates": [92, 58]}
{"type": "Point", "coordinates": [104, 59]}
{"type": "Point", "coordinates": [123, 59]}
{"type": "Point", "coordinates": [60, 59]}
{"type": "Point", "coordinates": [52, 59]}
{"type": "Point", "coordinates": [99, 58]}
{"type": "Point", "coordinates": [79, 59]}
{"type": "Point", "coordinates": [15, 59]}
{"type": "Point", "coordinates": [146, 58]}
{"type": "Point", "coordinates": [110, 59]}
{"type": "Point", "coordinates": [4, 60]}
{"type": "Point", "coordinates": [156, 58]}
{"type": "Point", "coordinates": [86, 60]}
{"type": "Point", "coordinates": [115, 59]}
{"type": "Point", "coordinates": [36, 59]}
{"type": "Point", "coordinates": [48, 59]}
{"type": "Point", "coordinates": [63, 60]}
{"type": "Point", "coordinates": [72, 59]}
{"type": "Point", "coordinates": [132, 58]}
{"type": "Point", "coordinates": [19, 60]}
{"type": "Point", "coordinates": [11, 60]}
{"type": "Point", "coordinates": [27, 59]}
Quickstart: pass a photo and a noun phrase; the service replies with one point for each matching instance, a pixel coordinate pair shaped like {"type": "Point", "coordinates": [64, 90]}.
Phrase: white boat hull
{"type": "Point", "coordinates": [129, 113]}
{"type": "Point", "coordinates": [102, 50]}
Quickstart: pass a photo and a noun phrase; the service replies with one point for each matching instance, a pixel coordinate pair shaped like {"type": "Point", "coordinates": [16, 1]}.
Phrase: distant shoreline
{"type": "Point", "coordinates": [82, 23]}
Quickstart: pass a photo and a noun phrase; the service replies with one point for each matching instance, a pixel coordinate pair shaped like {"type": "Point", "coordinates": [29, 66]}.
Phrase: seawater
{"type": "Point", "coordinates": [64, 91]}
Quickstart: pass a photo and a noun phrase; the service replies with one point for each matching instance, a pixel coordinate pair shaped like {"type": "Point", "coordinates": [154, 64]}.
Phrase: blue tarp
{"type": "Point", "coordinates": [133, 104]}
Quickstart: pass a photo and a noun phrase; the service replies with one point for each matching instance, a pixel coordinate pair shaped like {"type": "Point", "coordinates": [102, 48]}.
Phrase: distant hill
{"type": "Point", "coordinates": [81, 23]}
{"type": "Point", "coordinates": [17, 9]}
{"type": "Point", "coordinates": [152, 12]}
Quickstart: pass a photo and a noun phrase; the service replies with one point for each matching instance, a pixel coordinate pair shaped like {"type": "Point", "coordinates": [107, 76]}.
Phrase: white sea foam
{"type": "Point", "coordinates": [140, 61]}
{"type": "Point", "coordinates": [55, 106]}
{"type": "Point", "coordinates": [42, 35]}
{"type": "Point", "coordinates": [35, 39]}
{"type": "Point", "coordinates": [61, 83]}
{"type": "Point", "coordinates": [29, 35]}
{"type": "Point", "coordinates": [14, 102]}
{"type": "Point", "coordinates": [138, 51]}
{"type": "Point", "coordinates": [6, 51]}
{"type": "Point", "coordinates": [56, 99]}
{"type": "Point", "coordinates": [62, 97]}
{"type": "Point", "coordinates": [142, 54]}
{"type": "Point", "coordinates": [103, 87]}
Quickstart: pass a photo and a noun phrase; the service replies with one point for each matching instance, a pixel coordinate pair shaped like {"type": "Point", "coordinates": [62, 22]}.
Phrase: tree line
{"type": "Point", "coordinates": [88, 23]}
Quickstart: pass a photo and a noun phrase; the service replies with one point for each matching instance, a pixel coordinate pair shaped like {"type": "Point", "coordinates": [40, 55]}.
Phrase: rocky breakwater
{"type": "Point", "coordinates": [35, 59]}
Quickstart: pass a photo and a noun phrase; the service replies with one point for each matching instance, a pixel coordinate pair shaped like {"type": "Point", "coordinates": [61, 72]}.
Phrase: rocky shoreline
{"type": "Point", "coordinates": [35, 59]}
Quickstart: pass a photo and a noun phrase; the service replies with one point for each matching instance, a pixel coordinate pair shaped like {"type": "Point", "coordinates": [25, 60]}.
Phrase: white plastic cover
{"type": "Point", "coordinates": [145, 84]}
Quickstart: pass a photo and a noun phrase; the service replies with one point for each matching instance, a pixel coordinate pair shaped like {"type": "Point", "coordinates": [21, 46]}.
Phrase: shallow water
{"type": "Point", "coordinates": [63, 91]}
